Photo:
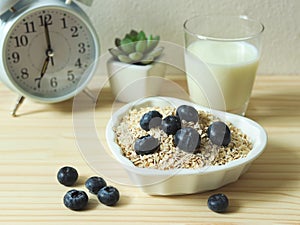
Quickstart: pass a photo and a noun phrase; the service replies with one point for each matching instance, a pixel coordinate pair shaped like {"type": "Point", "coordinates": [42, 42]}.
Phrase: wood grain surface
{"type": "Point", "coordinates": [34, 145]}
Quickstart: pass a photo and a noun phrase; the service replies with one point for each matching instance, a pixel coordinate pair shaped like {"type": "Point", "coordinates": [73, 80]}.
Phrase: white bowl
{"type": "Point", "coordinates": [187, 181]}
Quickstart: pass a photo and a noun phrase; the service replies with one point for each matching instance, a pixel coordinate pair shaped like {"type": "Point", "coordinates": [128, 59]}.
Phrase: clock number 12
{"type": "Point", "coordinates": [45, 19]}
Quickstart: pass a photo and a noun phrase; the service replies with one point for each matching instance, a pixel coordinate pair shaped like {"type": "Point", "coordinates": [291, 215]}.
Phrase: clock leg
{"type": "Point", "coordinates": [90, 94]}
{"type": "Point", "coordinates": [19, 102]}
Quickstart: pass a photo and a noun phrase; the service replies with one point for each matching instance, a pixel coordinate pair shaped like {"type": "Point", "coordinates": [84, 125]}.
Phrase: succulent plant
{"type": "Point", "coordinates": [136, 48]}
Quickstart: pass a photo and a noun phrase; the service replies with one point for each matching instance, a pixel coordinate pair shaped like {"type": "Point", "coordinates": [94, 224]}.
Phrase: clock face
{"type": "Point", "coordinates": [48, 51]}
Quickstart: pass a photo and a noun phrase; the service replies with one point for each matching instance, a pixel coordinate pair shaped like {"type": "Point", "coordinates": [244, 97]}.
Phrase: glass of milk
{"type": "Point", "coordinates": [221, 59]}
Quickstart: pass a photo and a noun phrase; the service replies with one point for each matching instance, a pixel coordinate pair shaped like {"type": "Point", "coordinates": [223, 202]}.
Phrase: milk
{"type": "Point", "coordinates": [220, 75]}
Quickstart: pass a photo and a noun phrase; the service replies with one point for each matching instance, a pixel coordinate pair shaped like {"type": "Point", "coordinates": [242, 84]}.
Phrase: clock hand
{"type": "Point", "coordinates": [44, 69]}
{"type": "Point", "coordinates": [50, 54]}
{"type": "Point", "coordinates": [52, 61]}
{"type": "Point", "coordinates": [49, 51]}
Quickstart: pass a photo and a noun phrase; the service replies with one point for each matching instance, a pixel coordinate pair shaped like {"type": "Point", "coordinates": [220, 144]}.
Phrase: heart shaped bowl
{"type": "Point", "coordinates": [180, 181]}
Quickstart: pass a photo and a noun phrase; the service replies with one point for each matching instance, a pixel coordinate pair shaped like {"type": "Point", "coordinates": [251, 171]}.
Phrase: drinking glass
{"type": "Point", "coordinates": [221, 59]}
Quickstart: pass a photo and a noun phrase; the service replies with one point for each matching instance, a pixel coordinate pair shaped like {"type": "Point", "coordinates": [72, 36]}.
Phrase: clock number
{"type": "Point", "coordinates": [38, 82]}
{"type": "Point", "coordinates": [45, 19]}
{"type": "Point", "coordinates": [64, 23]}
{"type": "Point", "coordinates": [71, 76]}
{"type": "Point", "coordinates": [74, 31]}
{"type": "Point", "coordinates": [78, 63]}
{"type": "Point", "coordinates": [53, 82]}
{"type": "Point", "coordinates": [24, 73]}
{"type": "Point", "coordinates": [21, 40]}
{"type": "Point", "coordinates": [30, 27]}
{"type": "Point", "coordinates": [16, 57]}
{"type": "Point", "coordinates": [82, 49]}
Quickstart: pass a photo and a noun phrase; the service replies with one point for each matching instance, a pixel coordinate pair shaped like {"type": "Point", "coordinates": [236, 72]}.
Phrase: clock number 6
{"type": "Point", "coordinates": [53, 82]}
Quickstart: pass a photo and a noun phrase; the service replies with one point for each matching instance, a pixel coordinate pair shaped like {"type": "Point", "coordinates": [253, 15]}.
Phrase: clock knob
{"type": "Point", "coordinates": [6, 5]}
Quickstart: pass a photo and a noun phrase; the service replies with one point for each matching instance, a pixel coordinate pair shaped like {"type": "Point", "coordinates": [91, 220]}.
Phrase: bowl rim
{"type": "Point", "coordinates": [256, 151]}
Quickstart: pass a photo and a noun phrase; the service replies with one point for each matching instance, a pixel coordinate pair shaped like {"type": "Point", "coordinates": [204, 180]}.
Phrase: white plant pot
{"type": "Point", "coordinates": [131, 82]}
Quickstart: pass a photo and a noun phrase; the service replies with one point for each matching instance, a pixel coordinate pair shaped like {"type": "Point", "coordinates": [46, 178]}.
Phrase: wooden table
{"type": "Point", "coordinates": [34, 145]}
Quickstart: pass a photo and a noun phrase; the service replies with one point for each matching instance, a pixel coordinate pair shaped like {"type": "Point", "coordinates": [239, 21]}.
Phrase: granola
{"type": "Point", "coordinates": [169, 156]}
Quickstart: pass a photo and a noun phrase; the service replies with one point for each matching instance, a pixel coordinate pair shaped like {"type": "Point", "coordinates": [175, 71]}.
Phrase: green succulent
{"type": "Point", "coordinates": [136, 48]}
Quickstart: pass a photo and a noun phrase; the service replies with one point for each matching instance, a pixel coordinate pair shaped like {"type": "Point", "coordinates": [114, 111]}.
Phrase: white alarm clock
{"type": "Point", "coordinates": [48, 49]}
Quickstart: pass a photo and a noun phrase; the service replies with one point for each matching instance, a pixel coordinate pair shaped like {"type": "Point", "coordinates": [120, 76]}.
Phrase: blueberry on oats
{"type": "Point", "coordinates": [187, 113]}
{"type": "Point", "coordinates": [150, 120]}
{"type": "Point", "coordinates": [219, 133]}
{"type": "Point", "coordinates": [171, 124]}
{"type": "Point", "coordinates": [146, 145]}
{"type": "Point", "coordinates": [187, 139]}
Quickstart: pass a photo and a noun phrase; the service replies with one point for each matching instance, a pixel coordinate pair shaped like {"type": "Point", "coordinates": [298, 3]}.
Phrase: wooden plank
{"type": "Point", "coordinates": [36, 144]}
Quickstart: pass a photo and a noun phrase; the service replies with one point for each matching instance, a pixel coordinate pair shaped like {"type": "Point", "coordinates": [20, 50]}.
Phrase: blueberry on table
{"type": "Point", "coordinates": [146, 145]}
{"type": "Point", "coordinates": [218, 203]}
{"type": "Point", "coordinates": [94, 184]}
{"type": "Point", "coordinates": [76, 200]}
{"type": "Point", "coordinates": [150, 120]}
{"type": "Point", "coordinates": [219, 133]}
{"type": "Point", "coordinates": [187, 139]}
{"type": "Point", "coordinates": [171, 124]}
{"type": "Point", "coordinates": [187, 113]}
{"type": "Point", "coordinates": [108, 195]}
{"type": "Point", "coordinates": [67, 176]}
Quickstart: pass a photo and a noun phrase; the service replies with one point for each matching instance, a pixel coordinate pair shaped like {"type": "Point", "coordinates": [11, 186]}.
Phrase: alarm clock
{"type": "Point", "coordinates": [48, 49]}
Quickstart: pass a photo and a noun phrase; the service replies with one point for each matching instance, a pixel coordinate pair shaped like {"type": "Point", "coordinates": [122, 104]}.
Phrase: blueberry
{"type": "Point", "coordinates": [187, 113]}
{"type": "Point", "coordinates": [171, 124]}
{"type": "Point", "coordinates": [146, 145]}
{"type": "Point", "coordinates": [218, 203]}
{"type": "Point", "coordinates": [219, 133]}
{"type": "Point", "coordinates": [187, 139]}
{"type": "Point", "coordinates": [108, 195]}
{"type": "Point", "coordinates": [94, 184]}
{"type": "Point", "coordinates": [67, 176]}
{"type": "Point", "coordinates": [75, 200]}
{"type": "Point", "coordinates": [150, 120]}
